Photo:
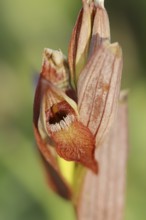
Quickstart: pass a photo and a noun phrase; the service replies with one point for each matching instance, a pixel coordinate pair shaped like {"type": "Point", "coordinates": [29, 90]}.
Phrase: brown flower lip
{"type": "Point", "coordinates": [69, 135]}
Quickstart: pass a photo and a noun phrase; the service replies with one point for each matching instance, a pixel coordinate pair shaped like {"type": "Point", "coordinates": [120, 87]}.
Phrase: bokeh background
{"type": "Point", "coordinates": [26, 27]}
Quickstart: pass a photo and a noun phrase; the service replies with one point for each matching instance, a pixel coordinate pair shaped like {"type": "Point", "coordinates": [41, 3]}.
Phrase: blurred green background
{"type": "Point", "coordinates": [26, 28]}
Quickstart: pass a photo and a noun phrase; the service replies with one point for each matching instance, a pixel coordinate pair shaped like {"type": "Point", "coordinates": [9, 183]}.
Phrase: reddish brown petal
{"type": "Point", "coordinates": [101, 23]}
{"type": "Point", "coordinates": [79, 43]}
{"type": "Point", "coordinates": [100, 29]}
{"type": "Point", "coordinates": [73, 45]}
{"type": "Point", "coordinates": [98, 89]}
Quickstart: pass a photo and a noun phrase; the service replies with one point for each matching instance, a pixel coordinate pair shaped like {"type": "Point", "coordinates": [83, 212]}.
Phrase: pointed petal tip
{"type": "Point", "coordinates": [47, 50]}
{"type": "Point", "coordinates": [96, 2]}
{"type": "Point", "coordinates": [47, 53]}
{"type": "Point", "coordinates": [101, 26]}
{"type": "Point", "coordinates": [116, 49]}
{"type": "Point", "coordinates": [94, 167]}
{"type": "Point", "coordinates": [99, 3]}
{"type": "Point", "coordinates": [55, 55]}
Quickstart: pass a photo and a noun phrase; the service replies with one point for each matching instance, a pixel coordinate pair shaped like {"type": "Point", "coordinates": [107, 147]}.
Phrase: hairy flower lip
{"type": "Point", "coordinates": [71, 146]}
{"type": "Point", "coordinates": [64, 124]}
{"type": "Point", "coordinates": [60, 116]}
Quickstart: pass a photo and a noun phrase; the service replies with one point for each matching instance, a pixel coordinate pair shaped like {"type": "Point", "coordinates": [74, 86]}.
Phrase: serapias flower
{"type": "Point", "coordinates": [76, 99]}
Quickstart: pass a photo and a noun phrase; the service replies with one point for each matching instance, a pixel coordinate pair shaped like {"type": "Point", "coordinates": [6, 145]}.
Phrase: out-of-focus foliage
{"type": "Point", "coordinates": [26, 27]}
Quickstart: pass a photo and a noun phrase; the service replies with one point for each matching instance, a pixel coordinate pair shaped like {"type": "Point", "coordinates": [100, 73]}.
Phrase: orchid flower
{"type": "Point", "coordinates": [76, 98]}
